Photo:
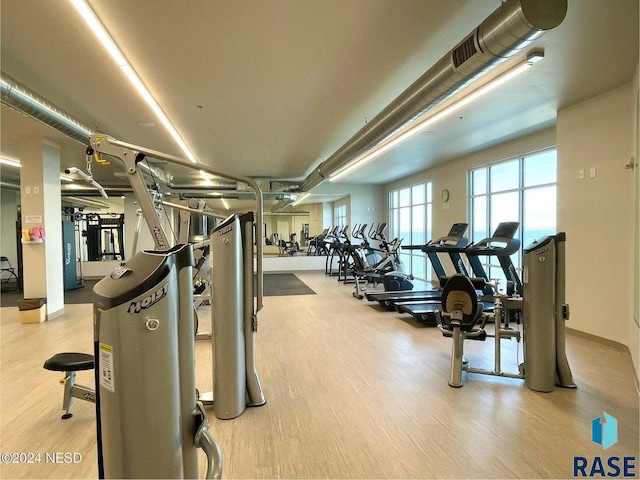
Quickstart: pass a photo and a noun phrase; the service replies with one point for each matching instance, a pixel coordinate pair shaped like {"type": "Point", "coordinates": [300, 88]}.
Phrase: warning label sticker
{"type": "Point", "coordinates": [106, 367]}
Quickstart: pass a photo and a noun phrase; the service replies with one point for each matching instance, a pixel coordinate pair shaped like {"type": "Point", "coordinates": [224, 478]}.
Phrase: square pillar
{"type": "Point", "coordinates": [41, 208]}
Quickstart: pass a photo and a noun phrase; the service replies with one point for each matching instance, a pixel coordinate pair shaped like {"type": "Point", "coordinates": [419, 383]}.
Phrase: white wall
{"type": "Point", "coordinates": [597, 213]}
{"type": "Point", "coordinates": [316, 224]}
{"type": "Point", "coordinates": [327, 215]}
{"type": "Point", "coordinates": [367, 204]}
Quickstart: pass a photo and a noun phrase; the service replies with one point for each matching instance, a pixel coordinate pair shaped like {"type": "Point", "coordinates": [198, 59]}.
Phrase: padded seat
{"type": "Point", "coordinates": [69, 362]}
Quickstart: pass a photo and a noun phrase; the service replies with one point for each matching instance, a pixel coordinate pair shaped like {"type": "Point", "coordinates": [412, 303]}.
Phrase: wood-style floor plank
{"type": "Point", "coordinates": [352, 392]}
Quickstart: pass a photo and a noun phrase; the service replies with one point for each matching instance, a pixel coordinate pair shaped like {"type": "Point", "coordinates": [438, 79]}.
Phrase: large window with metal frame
{"type": "Point", "coordinates": [340, 215]}
{"type": "Point", "coordinates": [521, 190]}
{"type": "Point", "coordinates": [410, 219]}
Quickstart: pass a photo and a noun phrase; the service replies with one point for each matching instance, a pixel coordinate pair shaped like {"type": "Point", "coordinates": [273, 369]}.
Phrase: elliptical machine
{"type": "Point", "coordinates": [389, 270]}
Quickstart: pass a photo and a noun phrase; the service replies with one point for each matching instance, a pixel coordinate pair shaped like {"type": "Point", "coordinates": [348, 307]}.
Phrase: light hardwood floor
{"type": "Point", "coordinates": [352, 392]}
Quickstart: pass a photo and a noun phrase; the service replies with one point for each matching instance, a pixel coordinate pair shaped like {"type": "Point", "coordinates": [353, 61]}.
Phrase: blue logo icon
{"type": "Point", "coordinates": [604, 430]}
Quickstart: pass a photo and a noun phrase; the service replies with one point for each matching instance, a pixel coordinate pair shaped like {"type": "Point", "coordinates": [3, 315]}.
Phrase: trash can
{"type": "Point", "coordinates": [32, 310]}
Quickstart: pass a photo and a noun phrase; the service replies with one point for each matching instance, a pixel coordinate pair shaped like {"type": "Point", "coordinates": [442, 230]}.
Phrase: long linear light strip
{"type": "Point", "coordinates": [10, 162]}
{"type": "Point", "coordinates": [224, 204]}
{"type": "Point", "coordinates": [16, 164]}
{"type": "Point", "coordinates": [103, 36]}
{"type": "Point", "coordinates": [496, 82]}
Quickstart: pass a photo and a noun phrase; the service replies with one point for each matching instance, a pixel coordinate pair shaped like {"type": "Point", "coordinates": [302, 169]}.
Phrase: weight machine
{"type": "Point", "coordinates": [105, 236]}
{"type": "Point", "coordinates": [544, 312]}
{"type": "Point", "coordinates": [144, 338]}
{"type": "Point", "coordinates": [72, 249]}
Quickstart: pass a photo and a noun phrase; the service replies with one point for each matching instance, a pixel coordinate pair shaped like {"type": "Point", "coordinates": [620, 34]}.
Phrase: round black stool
{"type": "Point", "coordinates": [70, 363]}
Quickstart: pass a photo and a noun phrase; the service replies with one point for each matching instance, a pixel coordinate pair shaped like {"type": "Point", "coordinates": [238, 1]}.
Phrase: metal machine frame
{"type": "Point", "coordinates": [544, 310]}
{"type": "Point", "coordinates": [139, 288]}
{"type": "Point", "coordinates": [131, 155]}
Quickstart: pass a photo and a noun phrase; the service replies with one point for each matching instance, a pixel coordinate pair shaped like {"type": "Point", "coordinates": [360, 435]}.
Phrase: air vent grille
{"type": "Point", "coordinates": [464, 51]}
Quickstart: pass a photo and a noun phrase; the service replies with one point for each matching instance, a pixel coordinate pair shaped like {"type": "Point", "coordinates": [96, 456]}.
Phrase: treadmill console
{"type": "Point", "coordinates": [503, 235]}
{"type": "Point", "coordinates": [457, 230]}
{"type": "Point", "coordinates": [506, 230]}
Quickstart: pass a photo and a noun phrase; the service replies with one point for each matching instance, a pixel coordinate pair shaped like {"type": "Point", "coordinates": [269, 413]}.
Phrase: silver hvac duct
{"type": "Point", "coordinates": [26, 101]}
{"type": "Point", "coordinates": [512, 27]}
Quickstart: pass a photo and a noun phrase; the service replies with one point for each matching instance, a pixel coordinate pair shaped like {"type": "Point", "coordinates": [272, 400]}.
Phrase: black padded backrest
{"type": "Point", "coordinates": [460, 294]}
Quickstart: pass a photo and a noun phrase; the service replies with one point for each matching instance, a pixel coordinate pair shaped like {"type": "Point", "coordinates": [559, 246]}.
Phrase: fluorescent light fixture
{"type": "Point", "coordinates": [224, 203]}
{"type": "Point", "coordinates": [103, 36]}
{"type": "Point", "coordinates": [420, 125]}
{"type": "Point", "coordinates": [16, 164]}
{"type": "Point", "coordinates": [300, 199]}
{"type": "Point", "coordinates": [99, 31]}
{"type": "Point", "coordinates": [10, 162]}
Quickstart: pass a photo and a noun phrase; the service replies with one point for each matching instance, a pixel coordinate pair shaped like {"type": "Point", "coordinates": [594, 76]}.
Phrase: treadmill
{"type": "Point", "coordinates": [501, 245]}
{"type": "Point", "coordinates": [453, 244]}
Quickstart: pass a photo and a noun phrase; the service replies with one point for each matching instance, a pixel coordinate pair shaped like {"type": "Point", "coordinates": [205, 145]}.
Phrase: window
{"type": "Point", "coordinates": [517, 190]}
{"type": "Point", "coordinates": [410, 219]}
{"type": "Point", "coordinates": [340, 215]}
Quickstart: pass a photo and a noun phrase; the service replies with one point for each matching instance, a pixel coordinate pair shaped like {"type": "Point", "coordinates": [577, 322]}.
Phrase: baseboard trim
{"type": "Point", "coordinates": [56, 314]}
{"type": "Point", "coordinates": [603, 341]}
{"type": "Point", "coordinates": [609, 343]}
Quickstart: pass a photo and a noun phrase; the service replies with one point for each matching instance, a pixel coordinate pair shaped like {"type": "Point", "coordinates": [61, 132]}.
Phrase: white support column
{"type": "Point", "coordinates": [41, 207]}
